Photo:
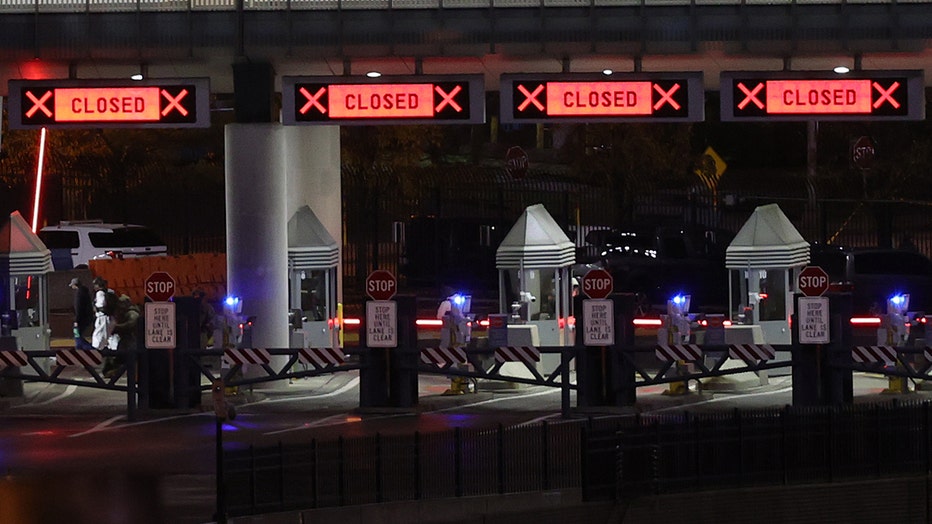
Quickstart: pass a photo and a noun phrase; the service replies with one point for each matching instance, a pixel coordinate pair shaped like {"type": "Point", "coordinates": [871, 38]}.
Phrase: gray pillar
{"type": "Point", "coordinates": [257, 247]}
{"type": "Point", "coordinates": [312, 167]}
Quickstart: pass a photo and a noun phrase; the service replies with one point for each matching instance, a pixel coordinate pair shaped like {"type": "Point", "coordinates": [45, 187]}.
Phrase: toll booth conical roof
{"type": "Point", "coordinates": [21, 251]}
{"type": "Point", "coordinates": [536, 241]}
{"type": "Point", "coordinates": [767, 240]}
{"type": "Point", "coordinates": [310, 245]}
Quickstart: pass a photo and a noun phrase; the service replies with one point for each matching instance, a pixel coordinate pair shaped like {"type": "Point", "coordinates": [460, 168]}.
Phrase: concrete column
{"type": "Point", "coordinates": [311, 157]}
{"type": "Point", "coordinates": [257, 246]}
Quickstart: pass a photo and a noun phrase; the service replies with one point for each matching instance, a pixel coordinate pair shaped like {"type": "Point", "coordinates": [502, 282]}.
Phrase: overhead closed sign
{"type": "Point", "coordinates": [109, 103]}
{"type": "Point", "coordinates": [387, 100]}
{"type": "Point", "coordinates": [572, 97]}
{"type": "Point", "coordinates": [863, 95]}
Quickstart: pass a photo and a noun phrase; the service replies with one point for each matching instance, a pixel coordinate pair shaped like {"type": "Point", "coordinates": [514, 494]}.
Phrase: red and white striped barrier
{"type": "Point", "coordinates": [872, 354]}
{"type": "Point", "coordinates": [752, 352]}
{"type": "Point", "coordinates": [321, 357]}
{"type": "Point", "coordinates": [678, 352]}
{"type": "Point", "coordinates": [78, 357]}
{"type": "Point", "coordinates": [443, 357]}
{"type": "Point", "coordinates": [236, 357]}
{"type": "Point", "coordinates": [13, 359]}
{"type": "Point", "coordinates": [526, 354]}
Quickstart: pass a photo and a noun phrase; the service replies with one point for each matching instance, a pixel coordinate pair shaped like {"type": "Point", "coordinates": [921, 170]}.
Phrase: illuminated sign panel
{"type": "Point", "coordinates": [109, 103]}
{"type": "Point", "coordinates": [137, 104]}
{"type": "Point", "coordinates": [575, 97]}
{"type": "Point", "coordinates": [864, 95]}
{"type": "Point", "coordinates": [386, 100]}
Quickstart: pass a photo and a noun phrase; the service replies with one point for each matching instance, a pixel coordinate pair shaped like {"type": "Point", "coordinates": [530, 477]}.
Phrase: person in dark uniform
{"type": "Point", "coordinates": [125, 316]}
{"type": "Point", "coordinates": [83, 313]}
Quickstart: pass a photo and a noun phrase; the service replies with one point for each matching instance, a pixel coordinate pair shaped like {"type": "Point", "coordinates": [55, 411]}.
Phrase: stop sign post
{"type": "Point", "coordinates": [160, 287]}
{"type": "Point", "coordinates": [813, 281]}
{"type": "Point", "coordinates": [597, 283]}
{"type": "Point", "coordinates": [381, 285]}
{"type": "Point", "coordinates": [381, 312]}
{"type": "Point", "coordinates": [598, 312]}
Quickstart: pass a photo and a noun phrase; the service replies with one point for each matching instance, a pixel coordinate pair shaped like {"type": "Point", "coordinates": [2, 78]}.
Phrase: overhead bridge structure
{"type": "Point", "coordinates": [115, 38]}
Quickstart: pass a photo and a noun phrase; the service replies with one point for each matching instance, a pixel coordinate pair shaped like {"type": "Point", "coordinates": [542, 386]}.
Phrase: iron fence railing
{"type": "Point", "coordinates": [390, 468]}
{"type": "Point", "coordinates": [470, 196]}
{"type": "Point", "coordinates": [776, 446]}
{"type": "Point", "coordinates": [610, 457]}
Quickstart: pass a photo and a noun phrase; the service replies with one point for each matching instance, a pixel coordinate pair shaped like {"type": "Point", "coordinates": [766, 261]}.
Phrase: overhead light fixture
{"type": "Point", "coordinates": [607, 72]}
{"type": "Point", "coordinates": [373, 74]}
{"type": "Point", "coordinates": [143, 73]}
{"type": "Point", "coordinates": [842, 70]}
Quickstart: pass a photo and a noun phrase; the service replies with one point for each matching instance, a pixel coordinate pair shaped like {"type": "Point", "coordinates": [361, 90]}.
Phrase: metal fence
{"type": "Point", "coordinates": [375, 203]}
{"type": "Point", "coordinates": [391, 468]}
{"type": "Point", "coordinates": [609, 458]}
{"type": "Point", "coordinates": [663, 454]}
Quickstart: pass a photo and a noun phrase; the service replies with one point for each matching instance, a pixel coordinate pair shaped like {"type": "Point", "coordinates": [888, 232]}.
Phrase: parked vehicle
{"type": "Point", "coordinates": [873, 275]}
{"type": "Point", "coordinates": [660, 262]}
{"type": "Point", "coordinates": [75, 244]}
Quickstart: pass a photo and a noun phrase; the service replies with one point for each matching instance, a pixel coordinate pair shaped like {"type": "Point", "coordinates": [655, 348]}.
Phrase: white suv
{"type": "Point", "coordinates": [74, 244]}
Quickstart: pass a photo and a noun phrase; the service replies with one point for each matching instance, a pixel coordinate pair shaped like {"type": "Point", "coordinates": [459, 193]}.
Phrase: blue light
{"type": "Point", "coordinates": [679, 300]}
{"type": "Point", "coordinates": [897, 299]}
{"type": "Point", "coordinates": [458, 299]}
{"type": "Point", "coordinates": [231, 301]}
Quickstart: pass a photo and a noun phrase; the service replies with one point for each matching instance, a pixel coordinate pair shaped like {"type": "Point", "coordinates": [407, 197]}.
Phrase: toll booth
{"type": "Point", "coordinates": [764, 261]}
{"type": "Point", "coordinates": [313, 257]}
{"type": "Point", "coordinates": [534, 283]}
{"type": "Point", "coordinates": [25, 263]}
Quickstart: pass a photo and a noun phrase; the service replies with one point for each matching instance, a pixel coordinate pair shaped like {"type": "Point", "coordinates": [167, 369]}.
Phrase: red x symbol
{"type": "Point", "coordinates": [531, 98]}
{"type": "Point", "coordinates": [666, 97]}
{"type": "Point", "coordinates": [448, 99]}
{"type": "Point", "coordinates": [39, 104]}
{"type": "Point", "coordinates": [885, 95]}
{"type": "Point", "coordinates": [312, 100]}
{"type": "Point", "coordinates": [175, 103]}
{"type": "Point", "coordinates": [750, 96]}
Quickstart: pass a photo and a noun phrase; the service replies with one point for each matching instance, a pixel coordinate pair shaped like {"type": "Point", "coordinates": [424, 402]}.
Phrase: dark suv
{"type": "Point", "coordinates": [659, 262]}
{"type": "Point", "coordinates": [873, 275]}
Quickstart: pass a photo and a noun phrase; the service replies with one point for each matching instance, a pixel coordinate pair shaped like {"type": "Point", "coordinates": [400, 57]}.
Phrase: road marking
{"type": "Point", "coordinates": [737, 396]}
{"type": "Point", "coordinates": [538, 419]}
{"type": "Point", "coordinates": [332, 420]}
{"type": "Point", "coordinates": [99, 427]}
{"type": "Point", "coordinates": [548, 391]}
{"type": "Point", "coordinates": [346, 387]}
{"type": "Point", "coordinates": [336, 420]}
{"type": "Point", "coordinates": [68, 391]}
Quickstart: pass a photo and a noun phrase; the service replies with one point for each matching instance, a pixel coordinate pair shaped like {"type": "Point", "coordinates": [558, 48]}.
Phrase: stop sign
{"type": "Point", "coordinates": [597, 283]}
{"type": "Point", "coordinates": [160, 286]}
{"type": "Point", "coordinates": [381, 285]}
{"type": "Point", "coordinates": [813, 281]}
{"type": "Point", "coordinates": [516, 162]}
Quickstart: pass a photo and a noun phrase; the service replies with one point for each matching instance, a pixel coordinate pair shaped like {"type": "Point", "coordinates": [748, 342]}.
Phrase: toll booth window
{"type": "Point", "coordinates": [59, 239]}
{"type": "Point", "coordinates": [548, 305]}
{"type": "Point", "coordinates": [125, 237]}
{"type": "Point", "coordinates": [739, 298]}
{"type": "Point", "coordinates": [314, 295]}
{"type": "Point", "coordinates": [773, 295]}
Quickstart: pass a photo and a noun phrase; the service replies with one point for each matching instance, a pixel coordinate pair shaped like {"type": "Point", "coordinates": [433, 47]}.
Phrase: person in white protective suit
{"type": "Point", "coordinates": [453, 331]}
